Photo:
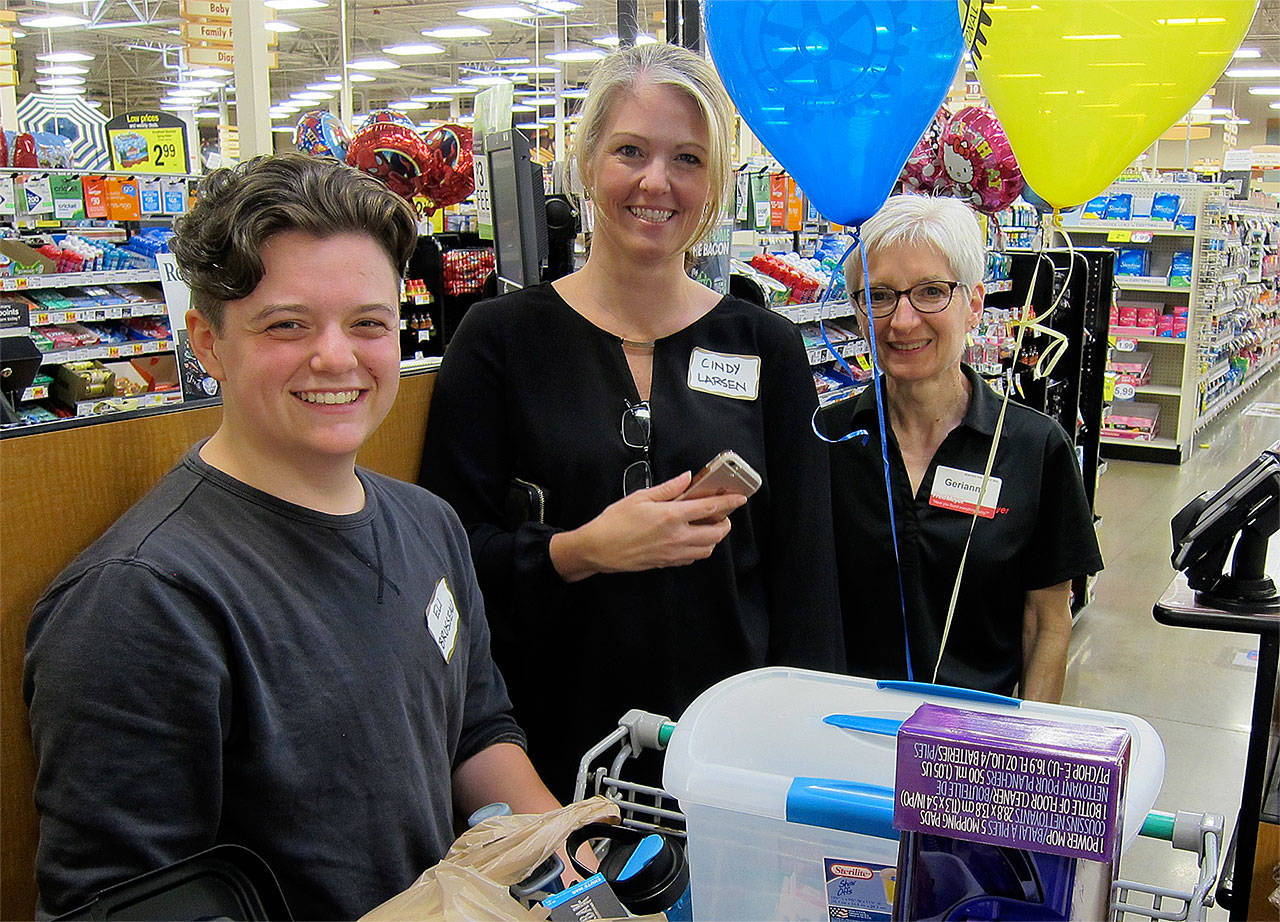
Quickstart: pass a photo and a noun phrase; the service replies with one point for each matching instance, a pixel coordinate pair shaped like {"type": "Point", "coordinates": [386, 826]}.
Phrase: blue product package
{"type": "Point", "coordinates": [175, 196]}
{"type": "Point", "coordinates": [1120, 207]}
{"type": "Point", "coordinates": [151, 199]}
{"type": "Point", "coordinates": [1165, 205]}
{"type": "Point", "coordinates": [1185, 222]}
{"type": "Point", "coordinates": [1131, 261]}
{"type": "Point", "coordinates": [1097, 207]}
{"type": "Point", "coordinates": [1181, 266]}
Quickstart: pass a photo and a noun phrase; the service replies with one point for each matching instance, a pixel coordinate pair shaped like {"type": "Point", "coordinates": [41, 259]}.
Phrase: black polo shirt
{"type": "Point", "coordinates": [1041, 534]}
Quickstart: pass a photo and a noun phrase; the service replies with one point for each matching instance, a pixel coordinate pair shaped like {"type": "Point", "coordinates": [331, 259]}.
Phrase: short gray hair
{"type": "Point", "coordinates": [947, 224]}
{"type": "Point", "coordinates": [661, 64]}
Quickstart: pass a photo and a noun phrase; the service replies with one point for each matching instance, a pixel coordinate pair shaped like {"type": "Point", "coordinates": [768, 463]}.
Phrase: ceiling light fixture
{"type": "Point", "coordinates": [59, 69]}
{"type": "Point", "coordinates": [534, 69]}
{"type": "Point", "coordinates": [281, 25]}
{"type": "Point", "coordinates": [413, 48]}
{"type": "Point", "coordinates": [457, 32]}
{"type": "Point", "coordinates": [1247, 53]}
{"type": "Point", "coordinates": [1264, 91]}
{"type": "Point", "coordinates": [361, 78]}
{"type": "Point", "coordinates": [1244, 73]}
{"type": "Point", "coordinates": [511, 61]}
{"type": "Point", "coordinates": [432, 100]}
{"type": "Point", "coordinates": [407, 104]}
{"type": "Point", "coordinates": [312, 95]}
{"type": "Point", "coordinates": [295, 4]}
{"type": "Point", "coordinates": [497, 12]}
{"type": "Point", "coordinates": [455, 90]}
{"type": "Point", "coordinates": [372, 64]}
{"type": "Point", "coordinates": [54, 21]}
{"type": "Point", "coordinates": [576, 54]}
{"type": "Point", "coordinates": [207, 113]}
{"type": "Point", "coordinates": [60, 81]}
{"type": "Point", "coordinates": [579, 93]}
{"type": "Point", "coordinates": [555, 6]}
{"type": "Point", "coordinates": [321, 87]}
{"type": "Point", "coordinates": [65, 91]}
{"type": "Point", "coordinates": [486, 80]}
{"type": "Point", "coordinates": [64, 57]}
{"type": "Point", "coordinates": [519, 107]}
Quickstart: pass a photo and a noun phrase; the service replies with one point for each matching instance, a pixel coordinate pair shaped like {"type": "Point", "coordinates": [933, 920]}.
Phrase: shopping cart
{"type": "Point", "coordinates": [651, 809]}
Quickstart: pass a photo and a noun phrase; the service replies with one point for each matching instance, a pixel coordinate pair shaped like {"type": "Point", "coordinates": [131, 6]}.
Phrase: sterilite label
{"type": "Point", "coordinates": [1064, 805]}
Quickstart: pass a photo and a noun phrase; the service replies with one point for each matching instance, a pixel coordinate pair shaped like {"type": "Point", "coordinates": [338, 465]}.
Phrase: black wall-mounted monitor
{"type": "Point", "coordinates": [517, 201]}
{"type": "Point", "coordinates": [1243, 515]}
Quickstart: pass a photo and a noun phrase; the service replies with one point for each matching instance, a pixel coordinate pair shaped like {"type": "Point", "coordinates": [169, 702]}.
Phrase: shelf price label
{"type": "Point", "coordinates": [1124, 392]}
{"type": "Point", "coordinates": [1125, 345]}
{"type": "Point", "coordinates": [149, 142]}
{"type": "Point", "coordinates": [1119, 236]}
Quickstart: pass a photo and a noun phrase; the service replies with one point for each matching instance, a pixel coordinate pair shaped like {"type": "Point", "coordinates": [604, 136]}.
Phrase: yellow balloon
{"type": "Point", "coordinates": [1082, 87]}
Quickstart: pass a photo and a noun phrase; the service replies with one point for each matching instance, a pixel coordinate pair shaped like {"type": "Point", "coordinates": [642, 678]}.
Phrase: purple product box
{"type": "Point", "coordinates": [1020, 782]}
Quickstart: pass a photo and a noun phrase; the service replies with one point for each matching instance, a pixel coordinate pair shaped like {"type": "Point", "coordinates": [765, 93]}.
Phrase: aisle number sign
{"type": "Point", "coordinates": [148, 142]}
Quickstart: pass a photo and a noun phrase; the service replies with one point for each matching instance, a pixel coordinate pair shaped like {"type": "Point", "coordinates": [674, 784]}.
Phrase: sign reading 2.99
{"type": "Point", "coordinates": [148, 142]}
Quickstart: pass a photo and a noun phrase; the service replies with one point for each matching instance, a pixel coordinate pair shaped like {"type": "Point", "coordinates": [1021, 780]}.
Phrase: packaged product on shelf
{"type": "Point", "coordinates": [1119, 207]}
{"type": "Point", "coordinates": [95, 196]}
{"type": "Point", "coordinates": [1130, 367]}
{"type": "Point", "coordinates": [1131, 419]}
{"type": "Point", "coordinates": [1180, 269]}
{"type": "Point", "coordinates": [128, 380]}
{"type": "Point", "coordinates": [8, 196]}
{"type": "Point", "coordinates": [1096, 209]}
{"type": "Point", "coordinates": [68, 197]}
{"type": "Point", "coordinates": [36, 197]}
{"type": "Point", "coordinates": [43, 342]}
{"type": "Point", "coordinates": [77, 381]}
{"type": "Point", "coordinates": [151, 195]}
{"type": "Point", "coordinates": [111, 333]}
{"type": "Point", "coordinates": [159, 371]}
{"type": "Point", "coordinates": [1131, 261]}
{"type": "Point", "coordinates": [1165, 205]}
{"type": "Point", "coordinates": [34, 414]}
{"type": "Point", "coordinates": [1185, 222]}
{"type": "Point", "coordinates": [23, 260]}
{"type": "Point", "coordinates": [146, 328]}
{"type": "Point", "coordinates": [122, 198]}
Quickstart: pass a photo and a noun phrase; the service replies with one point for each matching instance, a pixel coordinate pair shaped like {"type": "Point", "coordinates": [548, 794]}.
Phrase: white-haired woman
{"type": "Point", "coordinates": [587, 402]}
{"type": "Point", "coordinates": [1012, 621]}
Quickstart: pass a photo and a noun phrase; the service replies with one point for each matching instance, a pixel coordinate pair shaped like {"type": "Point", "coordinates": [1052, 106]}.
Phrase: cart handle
{"type": "Point", "coordinates": [1158, 825]}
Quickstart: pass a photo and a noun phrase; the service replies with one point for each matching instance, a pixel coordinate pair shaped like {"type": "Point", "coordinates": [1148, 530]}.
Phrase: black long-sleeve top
{"type": "Point", "coordinates": [529, 388]}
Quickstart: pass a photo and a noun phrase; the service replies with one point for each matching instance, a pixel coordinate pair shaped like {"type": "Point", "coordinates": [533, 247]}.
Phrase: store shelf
{"type": "Point", "coordinates": [36, 393]}
{"type": "Point", "coordinates": [1104, 227]}
{"type": "Point", "coordinates": [850, 347]}
{"type": "Point", "coordinates": [1147, 283]}
{"type": "Point", "coordinates": [99, 353]}
{"type": "Point", "coordinates": [809, 313]}
{"type": "Point", "coordinates": [66, 279]}
{"type": "Point", "coordinates": [999, 285]}
{"type": "Point", "coordinates": [102, 312]}
{"type": "Point", "coordinates": [1226, 400]}
{"type": "Point", "coordinates": [1162, 390]}
{"type": "Point", "coordinates": [106, 405]}
{"type": "Point", "coordinates": [1177, 340]}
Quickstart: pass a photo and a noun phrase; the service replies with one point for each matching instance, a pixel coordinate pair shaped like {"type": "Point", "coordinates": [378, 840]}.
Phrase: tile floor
{"type": "Point", "coordinates": [1186, 682]}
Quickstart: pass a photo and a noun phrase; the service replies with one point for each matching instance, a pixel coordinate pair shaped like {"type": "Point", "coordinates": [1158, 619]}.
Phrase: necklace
{"type": "Point", "coordinates": [637, 343]}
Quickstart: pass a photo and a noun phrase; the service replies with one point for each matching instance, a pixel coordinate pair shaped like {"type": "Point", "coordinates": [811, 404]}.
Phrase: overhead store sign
{"type": "Point", "coordinates": [211, 55]}
{"type": "Point", "coordinates": [148, 142]}
{"type": "Point", "coordinates": [207, 9]}
{"type": "Point", "coordinates": [215, 33]}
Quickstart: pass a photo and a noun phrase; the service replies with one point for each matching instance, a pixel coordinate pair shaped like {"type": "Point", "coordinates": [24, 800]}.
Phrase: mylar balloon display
{"type": "Point", "coordinates": [1082, 87]}
{"type": "Point", "coordinates": [977, 161]}
{"type": "Point", "coordinates": [321, 134]}
{"type": "Point", "coordinates": [839, 91]}
{"type": "Point", "coordinates": [923, 171]}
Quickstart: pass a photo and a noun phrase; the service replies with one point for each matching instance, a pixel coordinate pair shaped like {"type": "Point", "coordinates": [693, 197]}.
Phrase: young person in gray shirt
{"type": "Point", "coordinates": [274, 647]}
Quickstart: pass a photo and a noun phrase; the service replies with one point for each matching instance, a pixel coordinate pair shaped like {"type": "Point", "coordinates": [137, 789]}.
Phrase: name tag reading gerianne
{"type": "Point", "coordinates": [736, 376]}
{"type": "Point", "coordinates": [958, 490]}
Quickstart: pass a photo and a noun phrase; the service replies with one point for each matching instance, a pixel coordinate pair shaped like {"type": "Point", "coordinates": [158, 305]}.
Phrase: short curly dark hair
{"type": "Point", "coordinates": [218, 244]}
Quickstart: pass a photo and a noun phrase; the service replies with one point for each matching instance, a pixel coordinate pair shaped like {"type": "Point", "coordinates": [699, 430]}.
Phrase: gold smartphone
{"type": "Point", "coordinates": [727, 472]}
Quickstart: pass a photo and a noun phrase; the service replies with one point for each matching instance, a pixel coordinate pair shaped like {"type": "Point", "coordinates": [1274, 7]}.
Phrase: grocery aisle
{"type": "Point", "coordinates": [1187, 683]}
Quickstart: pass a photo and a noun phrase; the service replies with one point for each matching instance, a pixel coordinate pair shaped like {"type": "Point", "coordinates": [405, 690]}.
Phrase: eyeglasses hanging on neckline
{"type": "Point", "coordinates": [636, 431]}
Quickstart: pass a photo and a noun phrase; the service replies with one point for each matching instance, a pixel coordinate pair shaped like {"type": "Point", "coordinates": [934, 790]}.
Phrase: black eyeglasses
{"type": "Point", "coordinates": [927, 298]}
{"type": "Point", "coordinates": [636, 430]}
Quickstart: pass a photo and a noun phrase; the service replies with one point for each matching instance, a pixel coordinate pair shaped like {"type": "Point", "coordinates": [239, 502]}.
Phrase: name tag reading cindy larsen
{"type": "Point", "coordinates": [725, 375]}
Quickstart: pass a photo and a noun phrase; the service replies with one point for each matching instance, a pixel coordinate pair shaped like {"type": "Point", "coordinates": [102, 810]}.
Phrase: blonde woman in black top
{"type": "Point", "coordinates": [600, 393]}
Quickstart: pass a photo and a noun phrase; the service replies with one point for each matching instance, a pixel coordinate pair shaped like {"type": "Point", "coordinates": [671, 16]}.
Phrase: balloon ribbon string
{"type": "Point", "coordinates": [822, 331]}
{"type": "Point", "coordinates": [884, 455]}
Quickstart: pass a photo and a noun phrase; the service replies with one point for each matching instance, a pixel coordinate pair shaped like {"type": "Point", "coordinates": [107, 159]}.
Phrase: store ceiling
{"type": "Point", "coordinates": [136, 42]}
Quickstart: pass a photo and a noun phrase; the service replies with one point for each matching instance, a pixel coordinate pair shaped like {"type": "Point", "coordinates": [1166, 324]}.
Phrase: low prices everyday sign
{"type": "Point", "coordinates": [148, 142]}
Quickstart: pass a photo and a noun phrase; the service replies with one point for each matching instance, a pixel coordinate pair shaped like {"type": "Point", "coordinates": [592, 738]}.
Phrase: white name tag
{"type": "Point", "coordinates": [736, 376]}
{"type": "Point", "coordinates": [442, 619]}
{"type": "Point", "coordinates": [958, 490]}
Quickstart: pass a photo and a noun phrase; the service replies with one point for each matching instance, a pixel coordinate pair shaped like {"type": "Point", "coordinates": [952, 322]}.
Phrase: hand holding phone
{"type": "Point", "coordinates": [727, 472]}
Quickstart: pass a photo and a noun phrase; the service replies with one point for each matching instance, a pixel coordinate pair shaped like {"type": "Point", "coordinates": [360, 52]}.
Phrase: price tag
{"type": "Point", "coordinates": [1124, 392]}
{"type": "Point", "coordinates": [1141, 237]}
{"type": "Point", "coordinates": [1125, 345]}
{"type": "Point", "coordinates": [67, 317]}
{"type": "Point", "coordinates": [149, 142]}
{"type": "Point", "coordinates": [114, 313]}
{"type": "Point", "coordinates": [1119, 236]}
{"type": "Point", "coordinates": [40, 319]}
{"type": "Point", "coordinates": [113, 352]}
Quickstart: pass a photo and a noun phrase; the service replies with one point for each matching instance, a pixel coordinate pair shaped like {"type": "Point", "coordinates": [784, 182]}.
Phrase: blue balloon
{"type": "Point", "coordinates": [1029, 196]}
{"type": "Point", "coordinates": [839, 91]}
